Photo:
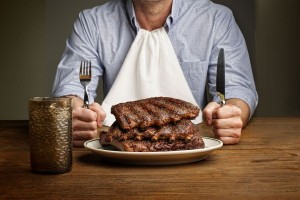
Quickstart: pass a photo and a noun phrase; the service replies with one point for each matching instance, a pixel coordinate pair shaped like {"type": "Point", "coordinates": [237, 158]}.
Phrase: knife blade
{"type": "Point", "coordinates": [220, 83]}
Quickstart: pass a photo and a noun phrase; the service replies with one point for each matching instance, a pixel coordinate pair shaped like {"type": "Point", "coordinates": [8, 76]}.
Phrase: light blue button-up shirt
{"type": "Point", "coordinates": [197, 30]}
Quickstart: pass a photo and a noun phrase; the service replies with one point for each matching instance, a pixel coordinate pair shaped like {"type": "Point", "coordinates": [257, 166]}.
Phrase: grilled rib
{"type": "Point", "coordinates": [155, 111]}
{"type": "Point", "coordinates": [183, 130]}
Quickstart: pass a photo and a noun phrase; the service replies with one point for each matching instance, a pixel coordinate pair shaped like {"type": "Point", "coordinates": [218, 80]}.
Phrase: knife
{"type": "Point", "coordinates": [221, 76]}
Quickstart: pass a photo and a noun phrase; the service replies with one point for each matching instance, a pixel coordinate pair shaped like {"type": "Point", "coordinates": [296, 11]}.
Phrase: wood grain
{"type": "Point", "coordinates": [265, 165]}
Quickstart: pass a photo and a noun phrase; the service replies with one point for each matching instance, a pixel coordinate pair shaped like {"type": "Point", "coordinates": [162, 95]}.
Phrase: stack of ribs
{"type": "Point", "coordinates": [153, 124]}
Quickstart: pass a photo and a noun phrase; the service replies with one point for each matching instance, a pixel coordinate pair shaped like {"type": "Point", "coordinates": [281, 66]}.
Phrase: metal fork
{"type": "Point", "coordinates": [85, 76]}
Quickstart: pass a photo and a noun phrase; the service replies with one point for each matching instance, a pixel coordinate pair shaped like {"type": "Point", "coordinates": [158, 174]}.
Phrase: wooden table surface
{"type": "Point", "coordinates": [265, 165]}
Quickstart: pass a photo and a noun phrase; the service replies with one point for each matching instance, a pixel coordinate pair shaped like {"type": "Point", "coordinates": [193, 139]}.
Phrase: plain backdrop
{"type": "Point", "coordinates": [33, 35]}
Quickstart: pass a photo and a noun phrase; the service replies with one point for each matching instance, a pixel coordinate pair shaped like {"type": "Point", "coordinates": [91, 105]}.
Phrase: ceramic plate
{"type": "Point", "coordinates": [153, 158]}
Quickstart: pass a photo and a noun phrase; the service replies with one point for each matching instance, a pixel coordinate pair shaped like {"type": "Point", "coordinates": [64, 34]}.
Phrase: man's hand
{"type": "Point", "coordinates": [86, 121]}
{"type": "Point", "coordinates": [227, 121]}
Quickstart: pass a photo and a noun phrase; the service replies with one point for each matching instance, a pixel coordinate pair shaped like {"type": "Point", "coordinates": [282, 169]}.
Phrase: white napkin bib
{"type": "Point", "coordinates": [151, 69]}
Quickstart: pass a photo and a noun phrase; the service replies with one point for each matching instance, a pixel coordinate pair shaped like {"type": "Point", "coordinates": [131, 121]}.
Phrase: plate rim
{"type": "Point", "coordinates": [205, 149]}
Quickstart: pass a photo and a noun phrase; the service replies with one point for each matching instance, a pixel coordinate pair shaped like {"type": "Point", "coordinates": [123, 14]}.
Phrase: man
{"type": "Point", "coordinates": [197, 31]}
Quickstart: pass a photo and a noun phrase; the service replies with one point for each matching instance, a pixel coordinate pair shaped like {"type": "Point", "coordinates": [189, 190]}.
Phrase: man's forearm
{"type": "Point", "coordinates": [244, 108]}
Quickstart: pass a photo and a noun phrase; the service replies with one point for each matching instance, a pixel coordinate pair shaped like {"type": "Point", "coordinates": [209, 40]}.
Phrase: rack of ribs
{"type": "Point", "coordinates": [183, 130]}
{"type": "Point", "coordinates": [154, 111]}
{"type": "Point", "coordinates": [153, 124]}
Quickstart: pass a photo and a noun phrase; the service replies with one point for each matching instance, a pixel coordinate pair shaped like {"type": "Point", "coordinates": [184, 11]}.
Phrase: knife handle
{"type": "Point", "coordinates": [222, 97]}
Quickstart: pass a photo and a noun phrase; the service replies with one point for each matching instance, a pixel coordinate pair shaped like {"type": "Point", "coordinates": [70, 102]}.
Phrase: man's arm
{"type": "Point", "coordinates": [228, 121]}
{"type": "Point", "coordinates": [81, 45]}
{"type": "Point", "coordinates": [239, 81]}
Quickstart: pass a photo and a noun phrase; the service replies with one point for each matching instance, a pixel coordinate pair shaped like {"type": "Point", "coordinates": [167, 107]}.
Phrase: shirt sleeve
{"type": "Point", "coordinates": [239, 81]}
{"type": "Point", "coordinates": [81, 45]}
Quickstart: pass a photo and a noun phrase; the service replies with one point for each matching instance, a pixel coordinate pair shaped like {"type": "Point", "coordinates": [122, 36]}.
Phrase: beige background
{"type": "Point", "coordinates": [33, 35]}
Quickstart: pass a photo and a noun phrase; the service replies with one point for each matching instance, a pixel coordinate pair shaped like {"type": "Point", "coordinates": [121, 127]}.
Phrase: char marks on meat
{"type": "Point", "coordinates": [160, 145]}
{"type": "Point", "coordinates": [155, 111]}
{"type": "Point", "coordinates": [183, 130]}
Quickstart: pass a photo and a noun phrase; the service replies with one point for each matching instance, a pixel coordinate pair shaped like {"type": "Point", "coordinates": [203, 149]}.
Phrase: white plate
{"type": "Point", "coordinates": [153, 158]}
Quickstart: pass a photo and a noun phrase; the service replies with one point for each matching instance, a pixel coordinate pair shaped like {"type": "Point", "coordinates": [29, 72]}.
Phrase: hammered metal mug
{"type": "Point", "coordinates": [50, 133]}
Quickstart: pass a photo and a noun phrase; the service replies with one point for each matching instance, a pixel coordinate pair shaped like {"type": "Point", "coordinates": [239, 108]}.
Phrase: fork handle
{"type": "Point", "coordinates": [85, 100]}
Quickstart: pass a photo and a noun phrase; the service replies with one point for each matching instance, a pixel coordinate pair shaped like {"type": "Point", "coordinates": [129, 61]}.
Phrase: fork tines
{"type": "Point", "coordinates": [85, 76]}
{"type": "Point", "coordinates": [85, 70]}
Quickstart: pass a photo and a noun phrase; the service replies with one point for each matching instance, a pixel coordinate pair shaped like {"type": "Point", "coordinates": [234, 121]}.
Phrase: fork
{"type": "Point", "coordinates": [85, 76]}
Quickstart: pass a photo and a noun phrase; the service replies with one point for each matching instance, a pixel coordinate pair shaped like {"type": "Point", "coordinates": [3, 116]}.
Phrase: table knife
{"type": "Point", "coordinates": [220, 83]}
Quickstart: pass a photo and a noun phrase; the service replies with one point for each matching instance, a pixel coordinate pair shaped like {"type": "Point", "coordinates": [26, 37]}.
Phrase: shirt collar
{"type": "Point", "coordinates": [130, 12]}
{"type": "Point", "coordinates": [170, 20]}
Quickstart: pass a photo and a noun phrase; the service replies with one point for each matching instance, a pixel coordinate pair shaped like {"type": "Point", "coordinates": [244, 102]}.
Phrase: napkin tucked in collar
{"type": "Point", "coordinates": [151, 69]}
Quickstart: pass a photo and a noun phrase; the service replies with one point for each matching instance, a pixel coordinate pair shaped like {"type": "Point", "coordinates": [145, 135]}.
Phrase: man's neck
{"type": "Point", "coordinates": [152, 14]}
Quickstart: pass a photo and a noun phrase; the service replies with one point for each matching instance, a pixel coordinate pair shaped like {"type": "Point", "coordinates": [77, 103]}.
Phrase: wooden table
{"type": "Point", "coordinates": [265, 165]}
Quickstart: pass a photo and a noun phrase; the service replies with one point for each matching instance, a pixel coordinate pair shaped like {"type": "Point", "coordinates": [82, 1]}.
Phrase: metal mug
{"type": "Point", "coordinates": [50, 133]}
